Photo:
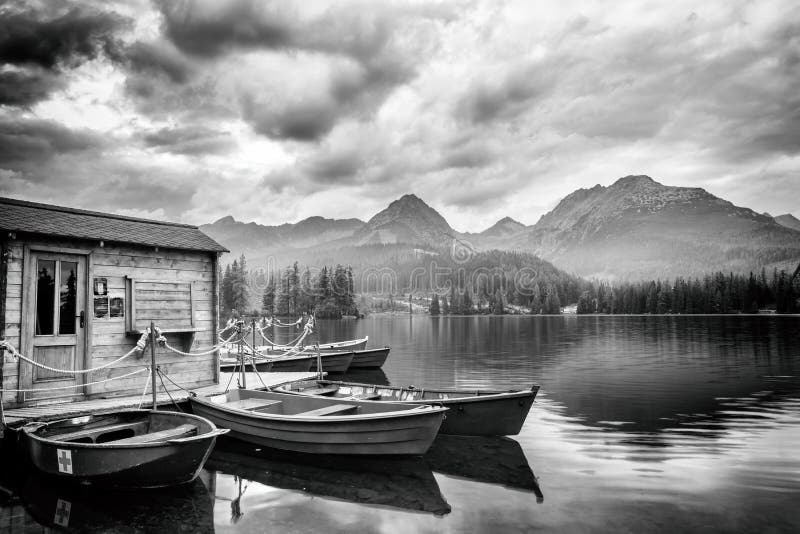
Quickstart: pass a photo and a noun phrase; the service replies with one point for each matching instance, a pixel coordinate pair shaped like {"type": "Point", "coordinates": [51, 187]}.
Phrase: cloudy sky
{"type": "Point", "coordinates": [276, 111]}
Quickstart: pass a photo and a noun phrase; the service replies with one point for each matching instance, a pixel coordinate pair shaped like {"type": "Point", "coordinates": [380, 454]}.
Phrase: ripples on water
{"type": "Point", "coordinates": [643, 424]}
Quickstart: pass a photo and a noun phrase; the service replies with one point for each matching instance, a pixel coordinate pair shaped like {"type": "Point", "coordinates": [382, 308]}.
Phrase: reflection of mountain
{"type": "Point", "coordinates": [186, 508]}
{"type": "Point", "coordinates": [494, 460]}
{"type": "Point", "coordinates": [403, 483]}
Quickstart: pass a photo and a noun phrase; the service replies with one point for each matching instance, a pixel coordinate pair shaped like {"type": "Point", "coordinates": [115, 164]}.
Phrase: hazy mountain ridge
{"type": "Point", "coordinates": [789, 221]}
{"type": "Point", "coordinates": [639, 228]}
{"type": "Point", "coordinates": [635, 228]}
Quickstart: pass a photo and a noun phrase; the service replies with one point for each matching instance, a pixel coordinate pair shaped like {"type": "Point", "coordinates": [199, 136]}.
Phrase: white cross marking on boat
{"type": "Point", "coordinates": [64, 461]}
{"type": "Point", "coordinates": [63, 509]}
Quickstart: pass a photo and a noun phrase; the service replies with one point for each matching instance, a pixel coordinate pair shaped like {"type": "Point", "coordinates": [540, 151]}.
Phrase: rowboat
{"type": "Point", "coordinates": [399, 482]}
{"type": "Point", "coordinates": [472, 412]}
{"type": "Point", "coordinates": [124, 449]}
{"type": "Point", "coordinates": [320, 425]}
{"type": "Point", "coordinates": [350, 344]}
{"type": "Point", "coordinates": [333, 362]}
{"type": "Point", "coordinates": [369, 358]}
{"type": "Point", "coordinates": [284, 364]}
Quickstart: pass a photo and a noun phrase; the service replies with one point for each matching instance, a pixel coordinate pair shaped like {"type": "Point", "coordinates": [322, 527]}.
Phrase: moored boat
{"type": "Point", "coordinates": [472, 412]}
{"type": "Point", "coordinates": [369, 358]}
{"type": "Point", "coordinates": [320, 425]}
{"type": "Point", "coordinates": [350, 344]}
{"type": "Point", "coordinates": [123, 449]}
{"type": "Point", "coordinates": [333, 362]}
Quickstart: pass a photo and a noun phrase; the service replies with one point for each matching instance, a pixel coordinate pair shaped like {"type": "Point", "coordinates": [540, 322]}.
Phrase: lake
{"type": "Point", "coordinates": [643, 424]}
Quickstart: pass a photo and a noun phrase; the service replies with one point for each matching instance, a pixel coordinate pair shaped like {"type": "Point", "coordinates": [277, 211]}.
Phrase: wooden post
{"type": "Point", "coordinates": [153, 361]}
{"type": "Point", "coordinates": [241, 354]}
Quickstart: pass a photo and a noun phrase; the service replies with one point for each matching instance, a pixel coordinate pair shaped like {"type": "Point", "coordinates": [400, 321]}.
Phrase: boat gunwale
{"type": "Point", "coordinates": [414, 410]}
{"type": "Point", "coordinates": [212, 433]}
{"type": "Point", "coordinates": [483, 395]}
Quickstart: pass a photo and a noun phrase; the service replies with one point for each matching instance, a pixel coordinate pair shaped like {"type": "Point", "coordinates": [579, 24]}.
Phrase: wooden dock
{"type": "Point", "coordinates": [19, 416]}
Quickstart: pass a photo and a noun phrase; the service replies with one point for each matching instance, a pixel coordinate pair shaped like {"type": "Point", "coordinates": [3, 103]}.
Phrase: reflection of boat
{"type": "Point", "coordinates": [399, 482]}
{"type": "Point", "coordinates": [490, 459]}
{"type": "Point", "coordinates": [187, 508]}
{"type": "Point", "coordinates": [321, 425]}
{"type": "Point", "coordinates": [369, 358]}
{"type": "Point", "coordinates": [130, 449]}
{"type": "Point", "coordinates": [472, 412]}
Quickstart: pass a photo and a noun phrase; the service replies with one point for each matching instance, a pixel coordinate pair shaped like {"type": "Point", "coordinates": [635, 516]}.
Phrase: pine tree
{"type": "Point", "coordinates": [268, 300]}
{"type": "Point", "coordinates": [434, 309]}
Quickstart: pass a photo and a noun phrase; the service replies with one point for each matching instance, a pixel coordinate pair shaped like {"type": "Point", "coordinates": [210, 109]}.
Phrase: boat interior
{"type": "Point", "coordinates": [378, 392]}
{"type": "Point", "coordinates": [124, 428]}
{"type": "Point", "coordinates": [267, 402]}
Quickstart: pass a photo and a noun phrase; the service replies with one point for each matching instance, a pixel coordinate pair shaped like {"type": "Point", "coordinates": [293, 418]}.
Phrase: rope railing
{"type": "Point", "coordinates": [143, 369]}
{"type": "Point", "coordinates": [140, 346]}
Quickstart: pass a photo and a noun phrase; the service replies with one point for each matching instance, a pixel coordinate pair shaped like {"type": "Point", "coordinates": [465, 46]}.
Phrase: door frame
{"type": "Point", "coordinates": [25, 379]}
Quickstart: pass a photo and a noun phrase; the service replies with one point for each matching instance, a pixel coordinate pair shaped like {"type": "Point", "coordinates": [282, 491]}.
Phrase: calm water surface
{"type": "Point", "coordinates": [643, 424]}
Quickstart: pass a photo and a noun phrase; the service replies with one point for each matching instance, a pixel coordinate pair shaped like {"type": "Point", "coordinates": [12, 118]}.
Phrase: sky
{"type": "Point", "coordinates": [276, 111]}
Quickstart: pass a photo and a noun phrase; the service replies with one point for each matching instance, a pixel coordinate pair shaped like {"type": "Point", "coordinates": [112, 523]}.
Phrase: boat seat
{"type": "Point", "coordinates": [320, 390]}
{"type": "Point", "coordinates": [93, 433]}
{"type": "Point", "coordinates": [162, 435]}
{"type": "Point", "coordinates": [252, 404]}
{"type": "Point", "coordinates": [335, 409]}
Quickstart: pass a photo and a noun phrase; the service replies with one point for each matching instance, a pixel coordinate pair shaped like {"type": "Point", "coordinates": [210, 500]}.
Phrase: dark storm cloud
{"type": "Point", "coordinates": [299, 121]}
{"type": "Point", "coordinates": [190, 140]}
{"type": "Point", "coordinates": [386, 43]}
{"type": "Point", "coordinates": [214, 28]}
{"type": "Point", "coordinates": [27, 142]}
{"type": "Point", "coordinates": [494, 99]}
{"type": "Point", "coordinates": [158, 58]}
{"type": "Point", "coordinates": [337, 167]}
{"type": "Point", "coordinates": [41, 43]}
{"type": "Point", "coordinates": [27, 86]}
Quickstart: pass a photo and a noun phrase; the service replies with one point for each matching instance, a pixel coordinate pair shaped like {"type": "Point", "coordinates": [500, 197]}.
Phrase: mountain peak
{"type": "Point", "coordinates": [504, 227]}
{"type": "Point", "coordinates": [635, 180]}
{"type": "Point", "coordinates": [789, 221]}
{"type": "Point", "coordinates": [225, 220]}
{"type": "Point", "coordinates": [408, 219]}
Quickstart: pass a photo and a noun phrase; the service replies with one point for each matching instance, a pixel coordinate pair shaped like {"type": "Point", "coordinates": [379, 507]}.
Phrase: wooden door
{"type": "Point", "coordinates": [54, 333]}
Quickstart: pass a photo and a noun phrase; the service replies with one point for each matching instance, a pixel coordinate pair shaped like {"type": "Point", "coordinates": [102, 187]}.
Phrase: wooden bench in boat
{"type": "Point", "coordinates": [252, 404]}
{"type": "Point", "coordinates": [335, 409]}
{"type": "Point", "coordinates": [92, 433]}
{"type": "Point", "coordinates": [181, 431]}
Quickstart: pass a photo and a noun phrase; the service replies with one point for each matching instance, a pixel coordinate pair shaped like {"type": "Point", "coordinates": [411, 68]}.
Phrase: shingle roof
{"type": "Point", "coordinates": [23, 216]}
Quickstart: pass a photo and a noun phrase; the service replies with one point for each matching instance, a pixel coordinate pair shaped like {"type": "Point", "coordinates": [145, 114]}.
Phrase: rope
{"type": "Point", "coordinates": [173, 382]}
{"type": "Point", "coordinates": [162, 341]}
{"type": "Point", "coordinates": [81, 385]}
{"type": "Point", "coordinates": [165, 389]}
{"type": "Point", "coordinates": [277, 322]}
{"type": "Point", "coordinates": [140, 345]}
{"type": "Point", "coordinates": [144, 391]}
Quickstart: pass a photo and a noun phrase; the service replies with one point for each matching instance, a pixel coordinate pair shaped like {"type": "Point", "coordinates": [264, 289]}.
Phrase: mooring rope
{"type": "Point", "coordinates": [140, 346]}
{"type": "Point", "coordinates": [143, 369]}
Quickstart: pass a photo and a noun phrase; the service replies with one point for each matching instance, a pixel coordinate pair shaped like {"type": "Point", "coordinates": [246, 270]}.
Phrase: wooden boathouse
{"type": "Point", "coordinates": [77, 289]}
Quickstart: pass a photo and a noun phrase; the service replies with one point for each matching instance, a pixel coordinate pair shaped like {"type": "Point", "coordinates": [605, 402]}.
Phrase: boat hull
{"type": "Point", "coordinates": [299, 364]}
{"type": "Point", "coordinates": [485, 413]}
{"type": "Point", "coordinates": [409, 432]}
{"type": "Point", "coordinates": [333, 362]}
{"type": "Point", "coordinates": [146, 465]}
{"type": "Point", "coordinates": [370, 358]}
{"type": "Point", "coordinates": [230, 366]}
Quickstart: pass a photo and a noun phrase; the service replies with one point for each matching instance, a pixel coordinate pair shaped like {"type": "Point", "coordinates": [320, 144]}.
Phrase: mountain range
{"type": "Point", "coordinates": [635, 228]}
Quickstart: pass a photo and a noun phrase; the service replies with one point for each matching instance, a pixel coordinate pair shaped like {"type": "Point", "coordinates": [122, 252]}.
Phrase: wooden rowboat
{"type": "Point", "coordinates": [369, 358]}
{"type": "Point", "coordinates": [350, 344]}
{"type": "Point", "coordinates": [333, 362]}
{"type": "Point", "coordinates": [124, 449]}
{"type": "Point", "coordinates": [322, 426]}
{"type": "Point", "coordinates": [286, 364]}
{"type": "Point", "coordinates": [472, 412]}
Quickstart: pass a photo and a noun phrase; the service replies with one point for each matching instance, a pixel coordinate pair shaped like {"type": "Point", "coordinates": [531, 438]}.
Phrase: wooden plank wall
{"type": "Point", "coordinates": [108, 335]}
{"type": "Point", "coordinates": [13, 316]}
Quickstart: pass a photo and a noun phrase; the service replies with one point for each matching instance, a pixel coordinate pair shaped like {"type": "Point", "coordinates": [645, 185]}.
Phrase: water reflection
{"type": "Point", "coordinates": [406, 483]}
{"type": "Point", "coordinates": [43, 502]}
{"type": "Point", "coordinates": [488, 459]}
